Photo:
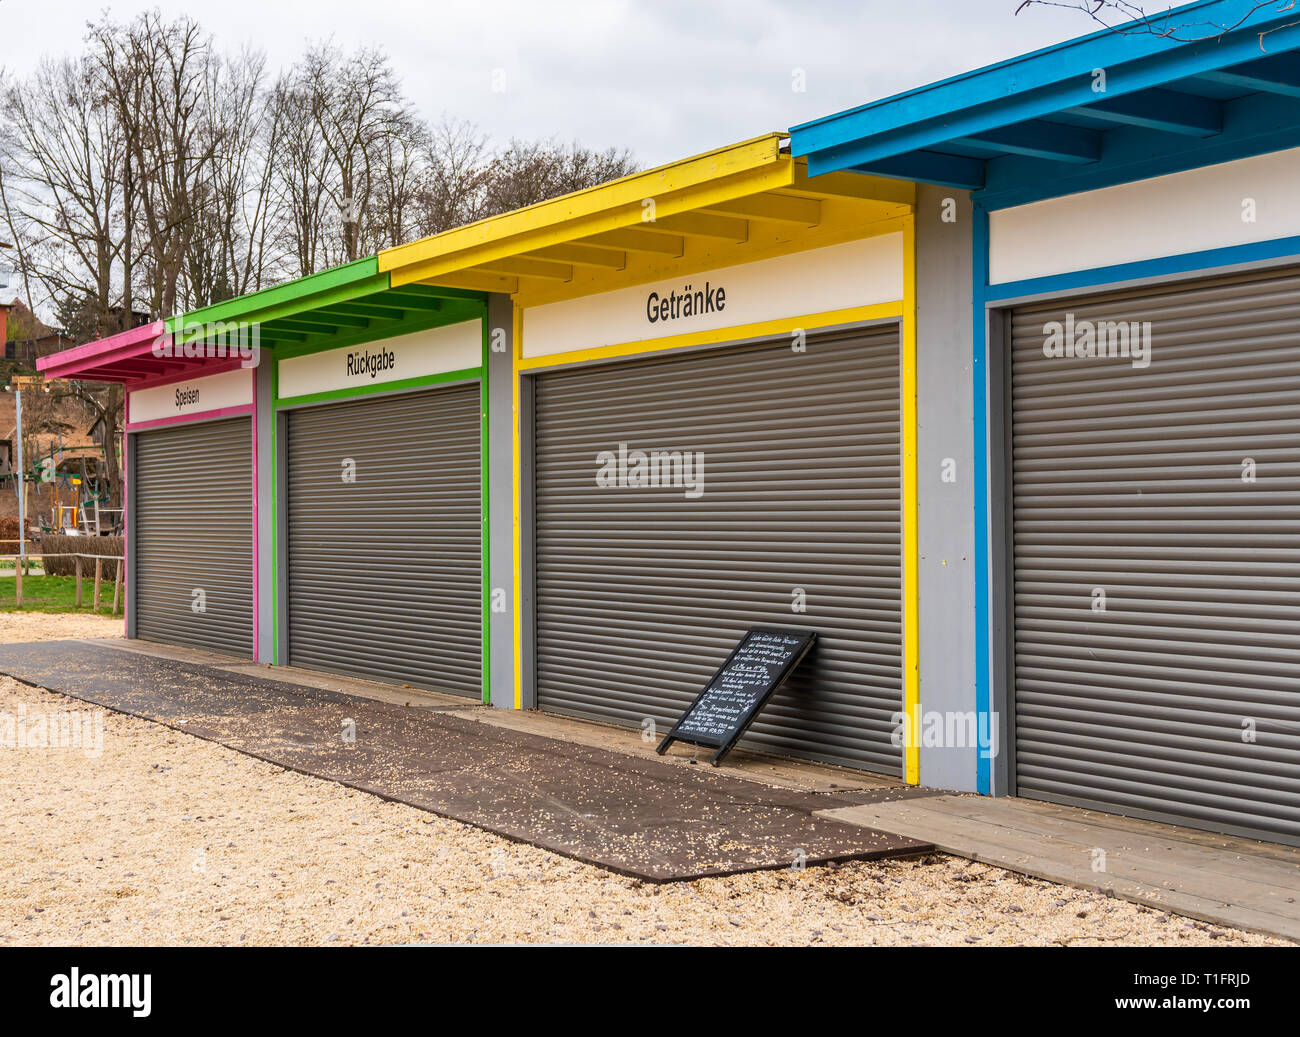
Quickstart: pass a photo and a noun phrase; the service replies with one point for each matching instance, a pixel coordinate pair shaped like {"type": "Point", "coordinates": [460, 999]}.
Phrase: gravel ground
{"type": "Point", "coordinates": [162, 838]}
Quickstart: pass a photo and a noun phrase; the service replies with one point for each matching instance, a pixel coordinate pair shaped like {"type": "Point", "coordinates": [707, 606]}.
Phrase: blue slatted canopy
{"type": "Point", "coordinates": [1117, 105]}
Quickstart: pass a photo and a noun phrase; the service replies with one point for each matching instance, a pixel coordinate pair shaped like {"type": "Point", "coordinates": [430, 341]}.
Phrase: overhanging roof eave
{"type": "Point", "coordinates": [611, 206]}
{"type": "Point", "coordinates": [698, 198]}
{"type": "Point", "coordinates": [1036, 86]}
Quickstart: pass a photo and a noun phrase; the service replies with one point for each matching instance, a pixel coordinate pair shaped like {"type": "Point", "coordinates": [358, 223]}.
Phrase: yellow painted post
{"type": "Point", "coordinates": [516, 466]}
{"type": "Point", "coordinates": [911, 569]}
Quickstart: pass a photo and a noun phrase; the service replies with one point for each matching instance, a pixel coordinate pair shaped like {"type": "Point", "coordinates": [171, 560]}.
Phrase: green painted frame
{"type": "Point", "coordinates": [459, 308]}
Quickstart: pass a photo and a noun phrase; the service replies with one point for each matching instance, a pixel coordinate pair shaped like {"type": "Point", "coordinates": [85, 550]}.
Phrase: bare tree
{"type": "Point", "coordinates": [299, 178]}
{"type": "Point", "coordinates": [455, 177]}
{"type": "Point", "coordinates": [391, 217]}
{"type": "Point", "coordinates": [64, 157]}
{"type": "Point", "coordinates": [155, 174]}
{"type": "Point", "coordinates": [15, 220]}
{"type": "Point", "coordinates": [231, 251]}
{"type": "Point", "coordinates": [71, 196]}
{"type": "Point", "coordinates": [527, 172]}
{"type": "Point", "coordinates": [152, 173]}
{"type": "Point", "coordinates": [357, 107]}
{"type": "Point", "coordinates": [157, 76]}
{"type": "Point", "coordinates": [1131, 18]}
{"type": "Point", "coordinates": [578, 168]}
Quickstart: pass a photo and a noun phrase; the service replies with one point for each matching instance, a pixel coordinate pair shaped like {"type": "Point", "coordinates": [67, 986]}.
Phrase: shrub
{"type": "Point", "coordinates": [9, 535]}
{"type": "Point", "coordinates": [58, 544]}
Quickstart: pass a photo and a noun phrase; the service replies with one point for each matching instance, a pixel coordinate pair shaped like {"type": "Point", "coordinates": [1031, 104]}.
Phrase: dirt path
{"type": "Point", "coordinates": [40, 626]}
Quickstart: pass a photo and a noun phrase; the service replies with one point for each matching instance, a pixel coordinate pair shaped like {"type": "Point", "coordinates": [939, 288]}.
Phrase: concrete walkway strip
{"type": "Point", "coordinates": [1221, 879]}
{"type": "Point", "coordinates": [648, 818]}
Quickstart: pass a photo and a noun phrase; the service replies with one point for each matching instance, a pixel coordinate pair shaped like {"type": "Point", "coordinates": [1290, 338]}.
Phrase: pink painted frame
{"type": "Point", "coordinates": [249, 409]}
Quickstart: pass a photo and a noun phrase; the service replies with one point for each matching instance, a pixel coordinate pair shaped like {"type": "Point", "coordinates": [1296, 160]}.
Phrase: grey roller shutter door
{"type": "Point", "coordinates": [384, 572]}
{"type": "Point", "coordinates": [1131, 481]}
{"type": "Point", "coordinates": [801, 491]}
{"type": "Point", "coordinates": [192, 490]}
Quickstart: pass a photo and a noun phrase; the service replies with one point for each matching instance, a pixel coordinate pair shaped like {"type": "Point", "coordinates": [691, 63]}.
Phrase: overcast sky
{"type": "Point", "coordinates": [667, 78]}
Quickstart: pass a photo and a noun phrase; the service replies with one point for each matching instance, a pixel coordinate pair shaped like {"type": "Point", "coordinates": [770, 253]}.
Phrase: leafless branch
{"type": "Point", "coordinates": [1132, 19]}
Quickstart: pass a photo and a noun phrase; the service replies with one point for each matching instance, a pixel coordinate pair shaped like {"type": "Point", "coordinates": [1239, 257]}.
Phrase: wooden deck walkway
{"type": "Point", "coordinates": [1216, 878]}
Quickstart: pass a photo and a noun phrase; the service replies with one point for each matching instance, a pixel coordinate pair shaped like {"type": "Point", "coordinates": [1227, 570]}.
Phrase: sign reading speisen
{"type": "Point", "coordinates": [729, 704]}
{"type": "Point", "coordinates": [214, 393]}
{"type": "Point", "coordinates": [454, 347]}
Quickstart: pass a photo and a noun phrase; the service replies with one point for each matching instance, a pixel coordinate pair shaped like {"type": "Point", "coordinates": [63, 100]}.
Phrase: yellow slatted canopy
{"type": "Point", "coordinates": [736, 204]}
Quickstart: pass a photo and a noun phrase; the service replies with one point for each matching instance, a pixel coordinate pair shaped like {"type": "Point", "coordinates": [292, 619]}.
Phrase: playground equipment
{"type": "Point", "coordinates": [84, 509]}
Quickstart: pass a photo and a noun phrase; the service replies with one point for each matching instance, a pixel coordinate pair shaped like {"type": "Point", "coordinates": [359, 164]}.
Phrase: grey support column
{"type": "Point", "coordinates": [264, 494]}
{"type": "Point", "coordinates": [501, 537]}
{"type": "Point", "coordinates": [946, 489]}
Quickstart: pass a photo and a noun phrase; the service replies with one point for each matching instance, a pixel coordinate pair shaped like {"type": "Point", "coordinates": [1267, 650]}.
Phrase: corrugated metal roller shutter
{"type": "Point", "coordinates": [193, 531]}
{"type": "Point", "coordinates": [801, 491]}
{"type": "Point", "coordinates": [384, 571]}
{"type": "Point", "coordinates": [1130, 481]}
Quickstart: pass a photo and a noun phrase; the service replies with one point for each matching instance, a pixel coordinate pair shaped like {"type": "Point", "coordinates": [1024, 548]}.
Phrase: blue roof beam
{"type": "Point", "coordinates": [931, 167]}
{"type": "Point", "coordinates": [1277, 74]}
{"type": "Point", "coordinates": [1158, 109]}
{"type": "Point", "coordinates": [1039, 139]}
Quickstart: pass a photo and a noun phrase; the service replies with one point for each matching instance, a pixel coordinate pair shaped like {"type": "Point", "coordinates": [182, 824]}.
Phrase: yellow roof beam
{"type": "Point", "coordinates": [583, 255]}
{"type": "Point", "coordinates": [704, 225]}
{"type": "Point", "coordinates": [778, 208]}
{"type": "Point", "coordinates": [641, 239]}
{"type": "Point", "coordinates": [851, 185]}
{"type": "Point", "coordinates": [476, 282]}
{"type": "Point", "coordinates": [523, 266]}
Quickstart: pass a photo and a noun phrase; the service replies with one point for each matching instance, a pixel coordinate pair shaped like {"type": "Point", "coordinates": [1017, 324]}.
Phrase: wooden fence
{"type": "Point", "coordinates": [79, 566]}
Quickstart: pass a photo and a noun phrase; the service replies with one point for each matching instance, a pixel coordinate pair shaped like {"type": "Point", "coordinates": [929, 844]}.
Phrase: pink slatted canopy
{"type": "Point", "coordinates": [129, 356]}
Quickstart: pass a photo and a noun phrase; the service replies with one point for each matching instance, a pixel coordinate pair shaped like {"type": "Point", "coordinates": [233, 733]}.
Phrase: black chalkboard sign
{"type": "Point", "coordinates": [754, 670]}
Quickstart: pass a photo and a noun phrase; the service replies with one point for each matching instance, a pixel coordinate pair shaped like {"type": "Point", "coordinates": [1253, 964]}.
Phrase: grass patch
{"type": "Point", "coordinates": [56, 594]}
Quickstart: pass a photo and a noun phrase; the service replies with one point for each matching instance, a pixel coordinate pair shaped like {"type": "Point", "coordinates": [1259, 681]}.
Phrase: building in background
{"type": "Point", "coordinates": [26, 337]}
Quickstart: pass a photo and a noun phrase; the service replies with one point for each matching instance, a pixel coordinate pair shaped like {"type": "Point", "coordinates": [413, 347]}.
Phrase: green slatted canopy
{"type": "Point", "coordinates": [338, 306]}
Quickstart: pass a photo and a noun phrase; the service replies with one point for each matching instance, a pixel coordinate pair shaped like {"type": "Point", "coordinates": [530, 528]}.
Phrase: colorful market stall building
{"type": "Point", "coordinates": [991, 384]}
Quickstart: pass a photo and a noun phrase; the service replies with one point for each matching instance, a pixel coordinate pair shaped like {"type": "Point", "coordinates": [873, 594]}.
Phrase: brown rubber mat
{"type": "Point", "coordinates": [641, 817]}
